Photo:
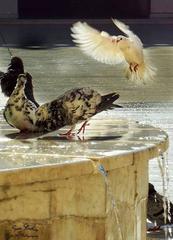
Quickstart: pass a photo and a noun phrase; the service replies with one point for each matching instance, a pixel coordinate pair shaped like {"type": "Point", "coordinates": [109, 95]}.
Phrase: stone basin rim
{"type": "Point", "coordinates": [51, 172]}
{"type": "Point", "coordinates": [141, 141]}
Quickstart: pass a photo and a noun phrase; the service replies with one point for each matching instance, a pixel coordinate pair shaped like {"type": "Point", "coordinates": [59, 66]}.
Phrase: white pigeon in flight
{"type": "Point", "coordinates": [115, 49]}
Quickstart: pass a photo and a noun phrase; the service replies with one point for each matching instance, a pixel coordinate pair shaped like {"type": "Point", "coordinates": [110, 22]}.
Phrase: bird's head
{"type": "Point", "coordinates": [16, 63]}
{"type": "Point", "coordinates": [21, 80]}
{"type": "Point", "coordinates": [122, 42]}
{"type": "Point", "coordinates": [120, 38]}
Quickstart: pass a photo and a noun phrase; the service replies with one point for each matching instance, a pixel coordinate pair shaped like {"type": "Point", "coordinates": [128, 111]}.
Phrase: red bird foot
{"type": "Point", "coordinates": [83, 127]}
{"type": "Point", "coordinates": [136, 67]}
{"type": "Point", "coordinates": [68, 134]}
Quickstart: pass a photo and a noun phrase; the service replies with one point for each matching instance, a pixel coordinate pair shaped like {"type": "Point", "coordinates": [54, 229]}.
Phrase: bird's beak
{"type": "Point", "coordinates": [118, 106]}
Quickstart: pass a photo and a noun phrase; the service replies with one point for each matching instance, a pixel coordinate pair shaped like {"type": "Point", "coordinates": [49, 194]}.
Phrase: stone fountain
{"type": "Point", "coordinates": [88, 188]}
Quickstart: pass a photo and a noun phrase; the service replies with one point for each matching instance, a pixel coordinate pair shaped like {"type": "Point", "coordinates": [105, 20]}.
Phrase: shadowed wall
{"type": "Point", "coordinates": [84, 9]}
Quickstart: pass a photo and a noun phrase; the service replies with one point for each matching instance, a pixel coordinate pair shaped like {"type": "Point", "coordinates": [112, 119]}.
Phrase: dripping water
{"type": "Point", "coordinates": [112, 211]}
{"type": "Point", "coordinates": [163, 166]}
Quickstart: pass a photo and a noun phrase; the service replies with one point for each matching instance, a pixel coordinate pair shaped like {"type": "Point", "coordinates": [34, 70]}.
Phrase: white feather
{"type": "Point", "coordinates": [125, 29]}
{"type": "Point", "coordinates": [114, 49]}
{"type": "Point", "coordinates": [98, 45]}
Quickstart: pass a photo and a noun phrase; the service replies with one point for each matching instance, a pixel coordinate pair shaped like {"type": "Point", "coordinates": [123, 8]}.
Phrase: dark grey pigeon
{"type": "Point", "coordinates": [8, 80]}
{"type": "Point", "coordinates": [155, 208]}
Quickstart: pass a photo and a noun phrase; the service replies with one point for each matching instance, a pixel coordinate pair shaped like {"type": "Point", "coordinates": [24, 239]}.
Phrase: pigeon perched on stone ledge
{"type": "Point", "coordinates": [155, 208]}
{"type": "Point", "coordinates": [74, 106]}
{"type": "Point", "coordinates": [115, 49]}
{"type": "Point", "coordinates": [8, 80]}
{"type": "Point", "coordinates": [19, 111]}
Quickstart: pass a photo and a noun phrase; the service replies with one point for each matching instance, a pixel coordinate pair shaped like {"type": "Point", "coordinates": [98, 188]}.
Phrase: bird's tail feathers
{"type": "Point", "coordinates": [107, 102]}
{"type": "Point", "coordinates": [144, 73]}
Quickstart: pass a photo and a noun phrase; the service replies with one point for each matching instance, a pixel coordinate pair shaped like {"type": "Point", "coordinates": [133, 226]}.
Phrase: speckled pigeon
{"type": "Point", "coordinates": [74, 106]}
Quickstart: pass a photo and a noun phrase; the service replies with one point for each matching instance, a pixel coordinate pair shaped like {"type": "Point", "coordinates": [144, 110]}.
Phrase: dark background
{"type": "Point", "coordinates": [83, 9]}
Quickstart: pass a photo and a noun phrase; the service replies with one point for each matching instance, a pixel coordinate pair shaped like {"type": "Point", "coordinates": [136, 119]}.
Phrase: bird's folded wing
{"type": "Point", "coordinates": [125, 29]}
{"type": "Point", "coordinates": [98, 45]}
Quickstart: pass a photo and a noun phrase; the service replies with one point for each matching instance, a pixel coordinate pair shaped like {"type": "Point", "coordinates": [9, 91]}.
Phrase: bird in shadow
{"type": "Point", "coordinates": [8, 79]}
{"type": "Point", "coordinates": [157, 207]}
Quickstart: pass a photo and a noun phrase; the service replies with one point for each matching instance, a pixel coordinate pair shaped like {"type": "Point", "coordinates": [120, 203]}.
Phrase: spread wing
{"type": "Point", "coordinates": [125, 29]}
{"type": "Point", "coordinates": [98, 45]}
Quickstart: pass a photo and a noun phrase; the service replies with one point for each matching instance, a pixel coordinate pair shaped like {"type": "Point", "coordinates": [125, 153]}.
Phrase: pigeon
{"type": "Point", "coordinates": [19, 111]}
{"type": "Point", "coordinates": [8, 80]}
{"type": "Point", "coordinates": [74, 106]}
{"type": "Point", "coordinates": [155, 208]}
{"type": "Point", "coordinates": [108, 49]}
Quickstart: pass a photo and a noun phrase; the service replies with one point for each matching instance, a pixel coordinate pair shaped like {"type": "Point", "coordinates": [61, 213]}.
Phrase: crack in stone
{"type": "Point", "coordinates": [10, 198]}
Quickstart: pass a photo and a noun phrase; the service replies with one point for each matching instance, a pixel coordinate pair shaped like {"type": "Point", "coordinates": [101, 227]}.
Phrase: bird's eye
{"type": "Point", "coordinates": [119, 39]}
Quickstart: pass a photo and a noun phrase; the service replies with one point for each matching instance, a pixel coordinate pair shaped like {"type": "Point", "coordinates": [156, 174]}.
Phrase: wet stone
{"type": "Point", "coordinates": [55, 188]}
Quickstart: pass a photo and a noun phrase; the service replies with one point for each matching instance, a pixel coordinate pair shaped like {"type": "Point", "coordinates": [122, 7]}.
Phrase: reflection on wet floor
{"type": "Point", "coordinates": [165, 232]}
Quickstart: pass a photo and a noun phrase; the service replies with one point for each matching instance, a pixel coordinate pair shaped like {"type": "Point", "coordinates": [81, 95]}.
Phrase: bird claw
{"type": "Point", "coordinates": [82, 128]}
{"type": "Point", "coordinates": [136, 67]}
{"type": "Point", "coordinates": [130, 67]}
{"type": "Point", "coordinates": [133, 67]}
{"type": "Point", "coordinates": [82, 139]}
{"type": "Point", "coordinates": [69, 135]}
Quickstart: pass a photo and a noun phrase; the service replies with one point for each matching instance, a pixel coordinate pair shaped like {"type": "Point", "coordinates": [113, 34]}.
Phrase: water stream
{"type": "Point", "coordinates": [164, 172]}
{"type": "Point", "coordinates": [112, 210]}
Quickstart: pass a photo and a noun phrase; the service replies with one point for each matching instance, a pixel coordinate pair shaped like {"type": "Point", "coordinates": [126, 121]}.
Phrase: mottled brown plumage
{"type": "Point", "coordinates": [72, 107]}
{"type": "Point", "coordinates": [19, 111]}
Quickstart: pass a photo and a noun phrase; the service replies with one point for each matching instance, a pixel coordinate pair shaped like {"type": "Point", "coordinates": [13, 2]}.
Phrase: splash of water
{"type": "Point", "coordinates": [113, 210]}
{"type": "Point", "coordinates": [163, 166]}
